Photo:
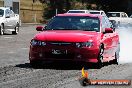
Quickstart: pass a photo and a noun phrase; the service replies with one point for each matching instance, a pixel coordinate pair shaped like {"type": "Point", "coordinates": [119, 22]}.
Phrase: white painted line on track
{"type": "Point", "coordinates": [8, 37]}
{"type": "Point", "coordinates": [11, 52]}
{"type": "Point", "coordinates": [24, 48]}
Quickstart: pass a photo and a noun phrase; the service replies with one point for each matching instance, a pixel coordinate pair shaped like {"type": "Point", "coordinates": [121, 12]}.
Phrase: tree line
{"type": "Point", "coordinates": [64, 5]}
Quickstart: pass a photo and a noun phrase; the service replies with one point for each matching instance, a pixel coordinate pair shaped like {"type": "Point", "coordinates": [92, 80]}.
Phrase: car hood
{"type": "Point", "coordinates": [67, 36]}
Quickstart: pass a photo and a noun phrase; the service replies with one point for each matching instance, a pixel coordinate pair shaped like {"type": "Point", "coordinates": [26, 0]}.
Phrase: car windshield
{"type": "Point", "coordinates": [95, 12]}
{"type": "Point", "coordinates": [1, 12]}
{"type": "Point", "coordinates": [74, 23]}
{"type": "Point", "coordinates": [113, 14]}
{"type": "Point", "coordinates": [76, 11]}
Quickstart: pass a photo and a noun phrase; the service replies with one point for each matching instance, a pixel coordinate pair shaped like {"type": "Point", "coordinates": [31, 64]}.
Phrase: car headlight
{"type": "Point", "coordinates": [84, 44]}
{"type": "Point", "coordinates": [37, 43]}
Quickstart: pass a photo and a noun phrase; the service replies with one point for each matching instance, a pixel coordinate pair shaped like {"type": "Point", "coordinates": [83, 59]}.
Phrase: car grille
{"type": "Point", "coordinates": [62, 47]}
{"type": "Point", "coordinates": [61, 56]}
{"type": "Point", "coordinates": [60, 43]}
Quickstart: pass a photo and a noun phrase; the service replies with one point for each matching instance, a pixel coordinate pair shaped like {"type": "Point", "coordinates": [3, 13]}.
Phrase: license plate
{"type": "Point", "coordinates": [57, 52]}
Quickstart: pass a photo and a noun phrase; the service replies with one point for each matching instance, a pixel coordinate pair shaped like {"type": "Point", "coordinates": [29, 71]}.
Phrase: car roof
{"type": "Point", "coordinates": [78, 10]}
{"type": "Point", "coordinates": [79, 14]}
{"type": "Point", "coordinates": [115, 12]}
{"type": "Point", "coordinates": [4, 8]}
{"type": "Point", "coordinates": [95, 10]}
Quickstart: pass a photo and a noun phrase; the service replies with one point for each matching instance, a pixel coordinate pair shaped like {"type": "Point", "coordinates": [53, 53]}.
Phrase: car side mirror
{"type": "Point", "coordinates": [39, 28]}
{"type": "Point", "coordinates": [108, 30]}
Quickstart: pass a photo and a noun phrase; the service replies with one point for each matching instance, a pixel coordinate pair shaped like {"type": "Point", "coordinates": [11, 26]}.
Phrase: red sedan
{"type": "Point", "coordinates": [75, 38]}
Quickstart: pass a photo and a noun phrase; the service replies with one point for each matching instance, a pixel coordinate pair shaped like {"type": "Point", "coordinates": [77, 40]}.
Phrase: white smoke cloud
{"type": "Point", "coordinates": [125, 34]}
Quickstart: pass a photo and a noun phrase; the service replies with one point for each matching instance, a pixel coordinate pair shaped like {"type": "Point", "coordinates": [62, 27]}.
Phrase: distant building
{"type": "Point", "coordinates": [30, 12]}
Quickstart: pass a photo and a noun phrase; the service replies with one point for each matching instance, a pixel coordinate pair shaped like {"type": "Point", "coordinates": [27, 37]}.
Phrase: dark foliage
{"type": "Point", "coordinates": [64, 5]}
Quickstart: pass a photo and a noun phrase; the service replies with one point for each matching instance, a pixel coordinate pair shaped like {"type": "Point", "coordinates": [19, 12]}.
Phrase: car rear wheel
{"type": "Point", "coordinates": [16, 30]}
{"type": "Point", "coordinates": [116, 60]}
{"type": "Point", "coordinates": [1, 30]}
{"type": "Point", "coordinates": [118, 24]}
{"type": "Point", "coordinates": [100, 58]}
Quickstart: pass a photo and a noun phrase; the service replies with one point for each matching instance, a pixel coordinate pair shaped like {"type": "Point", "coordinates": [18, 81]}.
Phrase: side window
{"type": "Point", "coordinates": [109, 25]}
{"type": "Point", "coordinates": [102, 13]}
{"type": "Point", "coordinates": [125, 15]}
{"type": "Point", "coordinates": [12, 13]}
{"type": "Point", "coordinates": [104, 24]}
{"type": "Point", "coordinates": [7, 13]}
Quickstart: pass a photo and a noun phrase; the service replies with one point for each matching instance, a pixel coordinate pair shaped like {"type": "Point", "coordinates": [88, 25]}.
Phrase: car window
{"type": "Point", "coordinates": [76, 11]}
{"type": "Point", "coordinates": [74, 23]}
{"type": "Point", "coordinates": [104, 23]}
{"type": "Point", "coordinates": [12, 13]}
{"type": "Point", "coordinates": [7, 12]}
{"type": "Point", "coordinates": [113, 14]}
{"type": "Point", "coordinates": [122, 14]}
{"type": "Point", "coordinates": [101, 13]}
{"type": "Point", "coordinates": [1, 12]}
{"type": "Point", "coordinates": [125, 15]}
{"type": "Point", "coordinates": [95, 12]}
{"type": "Point", "coordinates": [109, 25]}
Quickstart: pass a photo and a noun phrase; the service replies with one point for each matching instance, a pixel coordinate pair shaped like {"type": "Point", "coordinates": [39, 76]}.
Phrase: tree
{"type": "Point", "coordinates": [113, 5]}
{"type": "Point", "coordinates": [64, 5]}
{"type": "Point", "coordinates": [61, 6]}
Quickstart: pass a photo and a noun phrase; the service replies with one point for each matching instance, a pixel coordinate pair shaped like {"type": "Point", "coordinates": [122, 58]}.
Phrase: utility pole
{"type": "Point", "coordinates": [56, 11]}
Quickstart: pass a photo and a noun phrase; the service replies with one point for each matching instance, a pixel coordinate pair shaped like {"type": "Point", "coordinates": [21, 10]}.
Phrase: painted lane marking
{"type": "Point", "coordinates": [8, 37]}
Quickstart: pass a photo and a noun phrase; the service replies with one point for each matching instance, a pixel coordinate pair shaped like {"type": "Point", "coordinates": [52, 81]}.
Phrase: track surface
{"type": "Point", "coordinates": [16, 72]}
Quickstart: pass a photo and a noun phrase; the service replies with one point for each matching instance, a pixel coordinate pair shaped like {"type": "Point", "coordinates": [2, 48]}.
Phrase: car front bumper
{"type": "Point", "coordinates": [72, 54]}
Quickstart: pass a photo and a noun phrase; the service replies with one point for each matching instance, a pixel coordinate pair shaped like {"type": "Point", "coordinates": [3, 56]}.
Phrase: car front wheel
{"type": "Point", "coordinates": [100, 58]}
{"type": "Point", "coordinates": [36, 64]}
{"type": "Point", "coordinates": [16, 30]}
{"type": "Point", "coordinates": [1, 30]}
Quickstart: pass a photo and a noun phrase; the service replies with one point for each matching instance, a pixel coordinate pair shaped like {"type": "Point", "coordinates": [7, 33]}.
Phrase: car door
{"type": "Point", "coordinates": [7, 23]}
{"type": "Point", "coordinates": [112, 38]}
{"type": "Point", "coordinates": [7, 16]}
{"type": "Point", "coordinates": [106, 40]}
{"type": "Point", "coordinates": [12, 19]}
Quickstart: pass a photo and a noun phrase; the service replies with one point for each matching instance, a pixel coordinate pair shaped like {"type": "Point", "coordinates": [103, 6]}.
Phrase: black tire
{"type": "Point", "coordinates": [1, 30]}
{"type": "Point", "coordinates": [35, 64]}
{"type": "Point", "coordinates": [100, 57]}
{"type": "Point", "coordinates": [116, 60]}
{"type": "Point", "coordinates": [118, 24]}
{"type": "Point", "coordinates": [16, 30]}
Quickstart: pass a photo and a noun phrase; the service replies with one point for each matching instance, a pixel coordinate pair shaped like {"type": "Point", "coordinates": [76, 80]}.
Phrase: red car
{"type": "Point", "coordinates": [75, 38]}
